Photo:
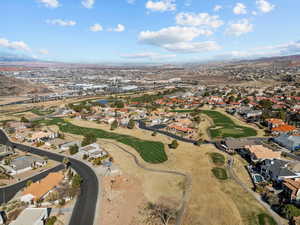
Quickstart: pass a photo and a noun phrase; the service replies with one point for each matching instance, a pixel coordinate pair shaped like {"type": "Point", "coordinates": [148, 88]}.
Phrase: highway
{"type": "Point", "coordinates": [84, 210]}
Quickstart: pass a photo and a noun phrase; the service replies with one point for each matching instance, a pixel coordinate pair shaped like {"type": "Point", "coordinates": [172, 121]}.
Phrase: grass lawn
{"type": "Point", "coordinates": [150, 151]}
{"type": "Point", "coordinates": [225, 127]}
{"type": "Point", "coordinates": [265, 219]}
{"type": "Point", "coordinates": [220, 173]}
{"type": "Point", "coordinates": [40, 112]}
{"type": "Point", "coordinates": [217, 158]}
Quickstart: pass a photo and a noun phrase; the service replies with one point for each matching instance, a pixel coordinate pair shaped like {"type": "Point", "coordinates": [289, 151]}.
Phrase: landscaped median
{"type": "Point", "coordinates": [150, 151]}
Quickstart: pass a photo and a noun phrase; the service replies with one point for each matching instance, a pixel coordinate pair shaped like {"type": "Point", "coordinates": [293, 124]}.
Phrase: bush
{"type": "Point", "coordinates": [264, 219]}
{"type": "Point", "coordinates": [73, 149]}
{"type": "Point", "coordinates": [217, 158]}
{"type": "Point", "coordinates": [174, 144]}
{"type": "Point", "coordinates": [85, 156]}
{"type": "Point", "coordinates": [51, 220]}
{"type": "Point", "coordinates": [114, 125]}
{"type": "Point", "coordinates": [131, 124]}
{"type": "Point", "coordinates": [220, 173]}
{"type": "Point", "coordinates": [24, 119]}
{"type": "Point", "coordinates": [154, 134]}
{"type": "Point", "coordinates": [289, 211]}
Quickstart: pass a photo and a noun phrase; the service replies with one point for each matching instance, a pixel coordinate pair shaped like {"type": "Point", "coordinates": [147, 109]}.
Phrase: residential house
{"type": "Point", "coordinates": [41, 189]}
{"type": "Point", "coordinates": [32, 216]}
{"type": "Point", "coordinates": [290, 142]}
{"type": "Point", "coordinates": [260, 153]}
{"type": "Point", "coordinates": [283, 129]}
{"type": "Point", "coordinates": [67, 145]}
{"type": "Point", "coordinates": [25, 163]}
{"type": "Point", "coordinates": [277, 170]}
{"type": "Point", "coordinates": [234, 144]}
{"type": "Point", "coordinates": [291, 190]}
{"type": "Point", "coordinates": [177, 128]}
{"type": "Point", "coordinates": [41, 136]}
{"type": "Point", "coordinates": [274, 122]}
{"type": "Point", "coordinates": [92, 151]}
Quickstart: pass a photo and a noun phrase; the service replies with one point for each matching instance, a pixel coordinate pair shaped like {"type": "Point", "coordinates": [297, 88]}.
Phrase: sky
{"type": "Point", "coordinates": [100, 31]}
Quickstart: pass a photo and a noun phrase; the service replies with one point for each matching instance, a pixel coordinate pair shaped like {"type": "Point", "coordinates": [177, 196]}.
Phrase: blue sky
{"type": "Point", "coordinates": [149, 30]}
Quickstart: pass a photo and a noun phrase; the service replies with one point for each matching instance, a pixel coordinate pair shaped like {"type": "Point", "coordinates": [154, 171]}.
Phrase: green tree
{"type": "Point", "coordinates": [28, 183]}
{"type": "Point", "coordinates": [131, 124]}
{"type": "Point", "coordinates": [89, 138]}
{"type": "Point", "coordinates": [174, 144]}
{"type": "Point", "coordinates": [114, 125]}
{"type": "Point", "coordinates": [73, 149]}
{"type": "Point", "coordinates": [266, 104]}
{"type": "Point", "coordinates": [76, 181]}
{"type": "Point", "coordinates": [289, 211]}
{"type": "Point", "coordinates": [24, 119]}
{"type": "Point", "coordinates": [66, 161]}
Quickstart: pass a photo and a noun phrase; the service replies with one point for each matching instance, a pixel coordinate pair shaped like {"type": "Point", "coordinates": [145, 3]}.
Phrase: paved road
{"type": "Point", "coordinates": [8, 192]}
{"type": "Point", "coordinates": [84, 209]}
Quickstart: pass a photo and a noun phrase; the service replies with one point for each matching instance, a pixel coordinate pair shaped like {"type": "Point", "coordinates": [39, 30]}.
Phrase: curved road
{"type": "Point", "coordinates": [188, 182]}
{"type": "Point", "coordinates": [84, 210]}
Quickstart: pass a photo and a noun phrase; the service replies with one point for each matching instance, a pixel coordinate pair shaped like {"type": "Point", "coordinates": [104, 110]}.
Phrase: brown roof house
{"type": "Point", "coordinates": [291, 190]}
{"type": "Point", "coordinates": [40, 190]}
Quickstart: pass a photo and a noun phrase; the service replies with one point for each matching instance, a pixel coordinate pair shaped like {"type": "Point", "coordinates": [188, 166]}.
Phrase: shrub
{"type": "Point", "coordinates": [114, 125]}
{"type": "Point", "coordinates": [220, 173]}
{"type": "Point", "coordinates": [289, 211]}
{"type": "Point", "coordinates": [217, 158]}
{"type": "Point", "coordinates": [174, 144]}
{"type": "Point", "coordinates": [73, 149]}
{"type": "Point", "coordinates": [89, 138]}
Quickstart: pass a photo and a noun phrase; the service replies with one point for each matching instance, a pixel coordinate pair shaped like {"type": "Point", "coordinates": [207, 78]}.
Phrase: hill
{"type": "Point", "coordinates": [15, 87]}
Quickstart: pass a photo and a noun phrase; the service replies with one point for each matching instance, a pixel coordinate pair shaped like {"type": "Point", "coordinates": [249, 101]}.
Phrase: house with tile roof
{"type": "Point", "coordinates": [291, 190]}
{"type": "Point", "coordinates": [41, 189]}
{"type": "Point", "coordinates": [259, 153]}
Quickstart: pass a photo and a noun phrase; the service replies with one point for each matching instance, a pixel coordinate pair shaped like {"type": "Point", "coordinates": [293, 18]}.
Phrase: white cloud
{"type": "Point", "coordinates": [178, 39]}
{"type": "Point", "coordinates": [88, 3]}
{"type": "Point", "coordinates": [43, 52]}
{"type": "Point", "coordinates": [264, 6]}
{"type": "Point", "coordinates": [161, 6]}
{"type": "Point", "coordinates": [63, 23]}
{"type": "Point", "coordinates": [201, 19]}
{"type": "Point", "coordinates": [50, 3]}
{"type": "Point", "coordinates": [148, 55]}
{"type": "Point", "coordinates": [192, 47]}
{"type": "Point", "coordinates": [171, 35]}
{"type": "Point", "coordinates": [96, 28]}
{"type": "Point", "coordinates": [239, 9]}
{"type": "Point", "coordinates": [240, 27]}
{"type": "Point", "coordinates": [119, 28]}
{"type": "Point", "coordinates": [254, 13]}
{"type": "Point", "coordinates": [217, 8]}
{"type": "Point", "coordinates": [16, 45]}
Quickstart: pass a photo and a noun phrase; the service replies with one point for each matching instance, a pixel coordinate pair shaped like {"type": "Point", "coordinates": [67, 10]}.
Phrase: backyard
{"type": "Point", "coordinates": [150, 151]}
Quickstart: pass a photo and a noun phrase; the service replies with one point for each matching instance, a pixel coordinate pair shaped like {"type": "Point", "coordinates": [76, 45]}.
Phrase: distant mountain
{"type": "Point", "coordinates": [11, 57]}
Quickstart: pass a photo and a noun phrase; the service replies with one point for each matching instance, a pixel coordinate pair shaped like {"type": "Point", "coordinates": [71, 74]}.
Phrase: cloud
{"type": "Point", "coordinates": [201, 19]}
{"type": "Point", "coordinates": [192, 47]}
{"type": "Point", "coordinates": [15, 45]}
{"type": "Point", "coordinates": [178, 39]}
{"type": "Point", "coordinates": [63, 23]}
{"type": "Point", "coordinates": [96, 28]}
{"type": "Point", "coordinates": [148, 55]}
{"type": "Point", "coordinates": [264, 6]}
{"type": "Point", "coordinates": [217, 8]}
{"type": "Point", "coordinates": [43, 52]}
{"type": "Point", "coordinates": [239, 9]}
{"type": "Point", "coordinates": [119, 28]}
{"type": "Point", "coordinates": [50, 3]}
{"type": "Point", "coordinates": [161, 6]}
{"type": "Point", "coordinates": [88, 3]}
{"type": "Point", "coordinates": [240, 27]}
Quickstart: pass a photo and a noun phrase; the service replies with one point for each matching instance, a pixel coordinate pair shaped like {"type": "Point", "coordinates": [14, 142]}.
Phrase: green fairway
{"type": "Point", "coordinates": [150, 151]}
{"type": "Point", "coordinates": [225, 127]}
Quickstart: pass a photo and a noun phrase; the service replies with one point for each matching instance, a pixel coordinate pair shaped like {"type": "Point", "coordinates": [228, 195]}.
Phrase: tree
{"type": "Point", "coordinates": [131, 124]}
{"type": "Point", "coordinates": [289, 211]}
{"type": "Point", "coordinates": [174, 144]}
{"type": "Point", "coordinates": [76, 181]}
{"type": "Point", "coordinates": [114, 125]}
{"type": "Point", "coordinates": [282, 115]}
{"type": "Point", "coordinates": [66, 161]}
{"type": "Point", "coordinates": [73, 149]}
{"type": "Point", "coordinates": [24, 119]}
{"type": "Point", "coordinates": [89, 138]}
{"type": "Point", "coordinates": [154, 134]}
{"type": "Point", "coordinates": [198, 142]}
{"type": "Point", "coordinates": [162, 213]}
{"type": "Point", "coordinates": [266, 104]}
